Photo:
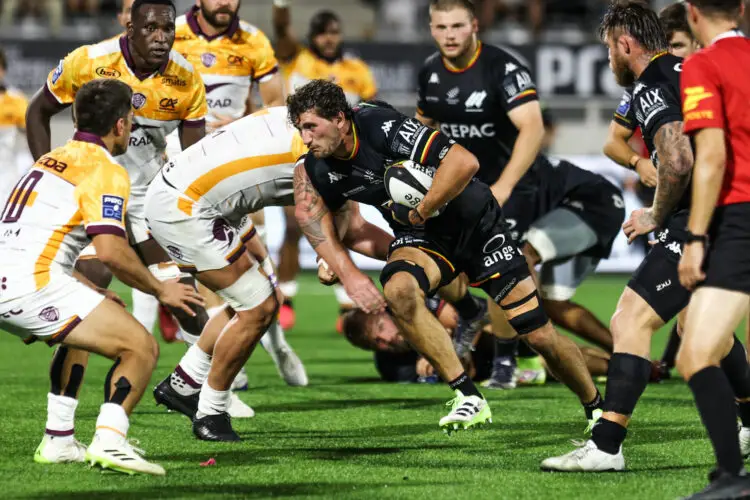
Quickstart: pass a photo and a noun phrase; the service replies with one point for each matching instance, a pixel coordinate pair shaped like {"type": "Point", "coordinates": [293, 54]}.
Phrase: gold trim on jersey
{"type": "Point", "coordinates": [45, 259]}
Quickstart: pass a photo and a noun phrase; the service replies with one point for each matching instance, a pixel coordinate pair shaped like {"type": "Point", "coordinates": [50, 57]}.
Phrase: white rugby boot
{"type": "Point", "coordinates": [238, 408]}
{"type": "Point", "coordinates": [466, 412]}
{"type": "Point", "coordinates": [121, 456]}
{"type": "Point", "coordinates": [55, 450]}
{"type": "Point", "coordinates": [745, 441]}
{"type": "Point", "coordinates": [587, 458]}
{"type": "Point", "coordinates": [241, 381]}
{"type": "Point", "coordinates": [289, 365]}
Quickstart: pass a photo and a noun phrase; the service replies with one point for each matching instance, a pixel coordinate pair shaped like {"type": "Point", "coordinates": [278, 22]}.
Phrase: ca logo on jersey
{"type": "Point", "coordinates": [475, 100]}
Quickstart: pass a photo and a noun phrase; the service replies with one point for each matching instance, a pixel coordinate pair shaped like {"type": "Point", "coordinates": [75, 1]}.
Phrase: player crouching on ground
{"type": "Point", "coordinates": [71, 194]}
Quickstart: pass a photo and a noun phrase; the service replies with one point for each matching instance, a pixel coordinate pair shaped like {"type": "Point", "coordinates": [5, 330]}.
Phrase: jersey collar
{"type": "Point", "coordinates": [472, 61]}
{"type": "Point", "coordinates": [727, 34]}
{"type": "Point", "coordinates": [89, 137]}
{"type": "Point", "coordinates": [125, 49]}
{"type": "Point", "coordinates": [355, 149]}
{"type": "Point", "coordinates": [192, 21]}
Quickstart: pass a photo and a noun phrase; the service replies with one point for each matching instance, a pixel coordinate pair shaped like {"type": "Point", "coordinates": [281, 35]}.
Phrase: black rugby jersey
{"type": "Point", "coordinates": [471, 105]}
{"type": "Point", "coordinates": [383, 136]}
{"type": "Point", "coordinates": [654, 102]}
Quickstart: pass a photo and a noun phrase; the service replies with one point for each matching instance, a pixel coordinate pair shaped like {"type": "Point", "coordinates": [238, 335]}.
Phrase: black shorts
{"type": "Point", "coordinates": [727, 263]}
{"type": "Point", "coordinates": [602, 208]}
{"type": "Point", "coordinates": [483, 251]}
{"type": "Point", "coordinates": [521, 210]}
{"type": "Point", "coordinates": [657, 281]}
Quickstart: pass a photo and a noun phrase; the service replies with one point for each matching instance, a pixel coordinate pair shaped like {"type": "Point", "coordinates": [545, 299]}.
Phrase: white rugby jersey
{"type": "Point", "coordinates": [70, 194]}
{"type": "Point", "coordinates": [162, 101]}
{"type": "Point", "coordinates": [242, 168]}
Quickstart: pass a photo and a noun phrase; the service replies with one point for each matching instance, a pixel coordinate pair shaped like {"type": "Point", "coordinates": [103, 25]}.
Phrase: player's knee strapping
{"type": "Point", "coordinates": [627, 378]}
{"type": "Point", "coordinates": [74, 381]}
{"type": "Point", "coordinates": [527, 321]}
{"type": "Point", "coordinates": [108, 381]}
{"type": "Point", "coordinates": [405, 266]}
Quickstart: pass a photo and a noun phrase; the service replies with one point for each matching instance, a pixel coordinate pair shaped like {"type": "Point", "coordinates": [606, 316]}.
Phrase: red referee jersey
{"type": "Point", "coordinates": [716, 94]}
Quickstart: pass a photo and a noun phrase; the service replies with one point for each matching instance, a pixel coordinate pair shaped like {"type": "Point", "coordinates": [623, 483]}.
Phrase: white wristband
{"type": "Point", "coordinates": [281, 3]}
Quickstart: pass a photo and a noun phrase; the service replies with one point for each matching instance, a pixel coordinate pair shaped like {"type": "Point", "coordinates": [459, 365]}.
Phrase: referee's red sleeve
{"type": "Point", "coordinates": [702, 105]}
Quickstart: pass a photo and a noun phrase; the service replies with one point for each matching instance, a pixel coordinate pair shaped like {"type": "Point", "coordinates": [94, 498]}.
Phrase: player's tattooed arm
{"type": "Point", "coordinates": [311, 212]}
{"type": "Point", "coordinates": [675, 166]}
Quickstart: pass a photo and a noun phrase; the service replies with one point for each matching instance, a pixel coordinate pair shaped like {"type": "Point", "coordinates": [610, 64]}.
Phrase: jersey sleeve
{"type": "Point", "coordinates": [624, 113]}
{"type": "Point", "coordinates": [64, 81]}
{"type": "Point", "coordinates": [264, 60]}
{"type": "Point", "coordinates": [516, 85]}
{"type": "Point", "coordinates": [701, 98]}
{"type": "Point", "coordinates": [196, 108]}
{"type": "Point", "coordinates": [318, 172]}
{"type": "Point", "coordinates": [397, 136]}
{"type": "Point", "coordinates": [102, 200]}
{"type": "Point", "coordinates": [658, 106]}
{"type": "Point", "coordinates": [422, 92]}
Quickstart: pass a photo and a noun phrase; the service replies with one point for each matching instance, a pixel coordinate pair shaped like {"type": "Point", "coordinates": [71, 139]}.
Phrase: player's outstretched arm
{"type": "Point", "coordinates": [617, 149]}
{"type": "Point", "coordinates": [317, 224]}
{"type": "Point", "coordinates": [272, 91]}
{"type": "Point", "coordinates": [115, 252]}
{"type": "Point", "coordinates": [675, 165]}
{"type": "Point", "coordinates": [286, 45]}
{"type": "Point", "coordinates": [453, 175]}
{"type": "Point", "coordinates": [38, 116]}
{"type": "Point", "coordinates": [363, 237]}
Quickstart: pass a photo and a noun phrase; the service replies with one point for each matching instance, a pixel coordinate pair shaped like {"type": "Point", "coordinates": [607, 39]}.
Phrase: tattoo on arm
{"type": "Point", "coordinates": [310, 208]}
{"type": "Point", "coordinates": [675, 166]}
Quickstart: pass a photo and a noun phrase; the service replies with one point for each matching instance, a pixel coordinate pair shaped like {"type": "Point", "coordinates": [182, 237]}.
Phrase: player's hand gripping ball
{"type": "Point", "coordinates": [407, 183]}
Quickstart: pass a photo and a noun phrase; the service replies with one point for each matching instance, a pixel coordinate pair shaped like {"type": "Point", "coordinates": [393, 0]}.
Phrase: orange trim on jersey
{"type": "Point", "coordinates": [185, 206]}
{"type": "Point", "coordinates": [62, 332]}
{"type": "Point", "coordinates": [433, 252]}
{"type": "Point", "coordinates": [658, 55]}
{"type": "Point", "coordinates": [427, 146]}
{"type": "Point", "coordinates": [269, 72]}
{"type": "Point", "coordinates": [261, 112]}
{"type": "Point", "coordinates": [472, 61]}
{"type": "Point", "coordinates": [496, 275]}
{"type": "Point", "coordinates": [208, 181]}
{"type": "Point", "coordinates": [45, 259]}
{"type": "Point", "coordinates": [524, 94]}
{"type": "Point", "coordinates": [355, 150]}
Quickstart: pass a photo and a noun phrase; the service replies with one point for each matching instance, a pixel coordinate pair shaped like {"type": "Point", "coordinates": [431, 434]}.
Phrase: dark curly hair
{"type": "Point", "coordinates": [673, 18]}
{"type": "Point", "coordinates": [325, 98]}
{"type": "Point", "coordinates": [638, 21]}
{"type": "Point", "coordinates": [100, 103]}
{"type": "Point", "coordinates": [727, 9]}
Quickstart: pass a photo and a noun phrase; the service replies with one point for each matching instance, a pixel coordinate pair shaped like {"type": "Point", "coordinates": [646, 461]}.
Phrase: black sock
{"type": "Point", "coordinates": [715, 401]}
{"type": "Point", "coordinates": [467, 307]}
{"type": "Point", "coordinates": [627, 378]}
{"type": "Point", "coordinates": [505, 347]}
{"type": "Point", "coordinates": [524, 351]}
{"type": "Point", "coordinates": [288, 302]}
{"type": "Point", "coordinates": [737, 370]}
{"type": "Point", "coordinates": [673, 345]}
{"type": "Point", "coordinates": [464, 384]}
{"type": "Point", "coordinates": [608, 436]}
{"type": "Point", "coordinates": [595, 404]}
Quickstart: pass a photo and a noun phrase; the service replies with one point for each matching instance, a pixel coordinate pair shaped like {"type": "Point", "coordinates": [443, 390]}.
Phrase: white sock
{"type": "Point", "coordinates": [342, 296]}
{"type": "Point", "coordinates": [289, 288]}
{"type": "Point", "coordinates": [274, 338]}
{"type": "Point", "coordinates": [145, 309]}
{"type": "Point", "coordinates": [113, 423]}
{"type": "Point", "coordinates": [61, 412]}
{"type": "Point", "coordinates": [212, 402]}
{"type": "Point", "coordinates": [191, 372]}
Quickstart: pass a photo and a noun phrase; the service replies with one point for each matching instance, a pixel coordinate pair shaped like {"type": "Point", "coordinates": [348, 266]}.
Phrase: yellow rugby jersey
{"type": "Point", "coordinates": [172, 96]}
{"type": "Point", "coordinates": [13, 106]}
{"type": "Point", "coordinates": [351, 73]}
{"type": "Point", "coordinates": [228, 63]}
{"type": "Point", "coordinates": [242, 168]}
{"type": "Point", "coordinates": [71, 193]}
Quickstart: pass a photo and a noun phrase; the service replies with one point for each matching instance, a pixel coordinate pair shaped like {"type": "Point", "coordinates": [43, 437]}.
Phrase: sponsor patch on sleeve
{"type": "Point", "coordinates": [624, 106]}
{"type": "Point", "coordinates": [58, 72]}
{"type": "Point", "coordinates": [112, 207]}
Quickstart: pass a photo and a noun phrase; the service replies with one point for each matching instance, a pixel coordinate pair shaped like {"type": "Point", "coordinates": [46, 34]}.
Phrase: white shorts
{"type": "Point", "coordinates": [51, 313]}
{"type": "Point", "coordinates": [202, 241]}
{"type": "Point", "coordinates": [88, 253]}
{"type": "Point", "coordinates": [136, 217]}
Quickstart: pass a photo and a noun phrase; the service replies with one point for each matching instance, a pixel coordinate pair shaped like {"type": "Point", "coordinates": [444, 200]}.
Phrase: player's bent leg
{"type": "Point", "coordinates": [249, 293]}
{"type": "Point", "coordinates": [408, 276]}
{"type": "Point", "coordinates": [111, 332]}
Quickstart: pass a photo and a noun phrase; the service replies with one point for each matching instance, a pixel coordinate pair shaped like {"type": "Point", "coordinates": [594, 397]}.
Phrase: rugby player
{"type": "Point", "coordinates": [231, 55]}
{"type": "Point", "coordinates": [322, 57]}
{"type": "Point", "coordinates": [485, 99]}
{"type": "Point", "coordinates": [197, 209]}
{"type": "Point", "coordinates": [349, 152]}
{"type": "Point", "coordinates": [168, 94]}
{"type": "Point", "coordinates": [638, 57]}
{"type": "Point", "coordinates": [715, 88]}
{"type": "Point", "coordinates": [12, 127]}
{"type": "Point", "coordinates": [673, 20]}
{"type": "Point", "coordinates": [72, 195]}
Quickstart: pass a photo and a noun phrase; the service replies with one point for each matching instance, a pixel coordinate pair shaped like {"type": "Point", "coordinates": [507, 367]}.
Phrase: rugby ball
{"type": "Point", "coordinates": [407, 182]}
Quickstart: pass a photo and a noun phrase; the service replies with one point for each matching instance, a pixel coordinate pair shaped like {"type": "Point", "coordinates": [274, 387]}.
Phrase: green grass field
{"type": "Point", "coordinates": [348, 435]}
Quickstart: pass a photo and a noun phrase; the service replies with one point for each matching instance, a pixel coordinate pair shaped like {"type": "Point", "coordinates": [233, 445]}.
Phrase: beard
{"type": "Point", "coordinates": [213, 16]}
{"type": "Point", "coordinates": [623, 74]}
{"type": "Point", "coordinates": [119, 149]}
